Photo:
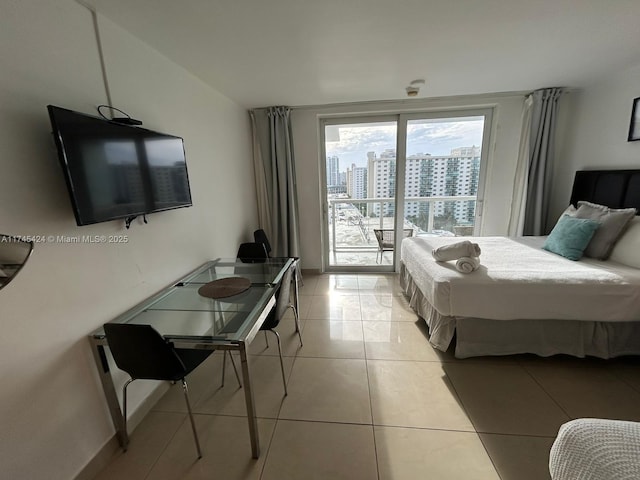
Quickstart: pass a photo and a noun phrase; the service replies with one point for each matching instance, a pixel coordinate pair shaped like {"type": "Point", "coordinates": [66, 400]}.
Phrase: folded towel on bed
{"type": "Point", "coordinates": [455, 251]}
{"type": "Point", "coordinates": [467, 264]}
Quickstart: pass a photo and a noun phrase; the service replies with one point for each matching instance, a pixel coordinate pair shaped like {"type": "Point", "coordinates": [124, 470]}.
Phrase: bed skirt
{"type": "Point", "coordinates": [480, 336]}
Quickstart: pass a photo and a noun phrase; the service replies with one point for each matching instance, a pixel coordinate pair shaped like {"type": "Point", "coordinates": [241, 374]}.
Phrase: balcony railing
{"type": "Point", "coordinates": [351, 220]}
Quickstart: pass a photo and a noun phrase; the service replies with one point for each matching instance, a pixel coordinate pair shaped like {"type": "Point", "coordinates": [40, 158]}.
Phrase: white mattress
{"type": "Point", "coordinates": [519, 280]}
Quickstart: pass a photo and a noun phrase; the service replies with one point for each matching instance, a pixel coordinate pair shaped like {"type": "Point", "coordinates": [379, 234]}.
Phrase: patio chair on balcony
{"type": "Point", "coordinates": [386, 240]}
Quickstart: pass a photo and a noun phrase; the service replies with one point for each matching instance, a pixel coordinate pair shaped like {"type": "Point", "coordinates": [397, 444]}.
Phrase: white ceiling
{"type": "Point", "coordinates": [303, 52]}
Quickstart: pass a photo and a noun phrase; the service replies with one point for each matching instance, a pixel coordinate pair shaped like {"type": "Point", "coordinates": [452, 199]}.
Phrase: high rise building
{"type": "Point", "coordinates": [426, 175]}
{"type": "Point", "coordinates": [382, 181]}
{"type": "Point", "coordinates": [451, 175]}
{"type": "Point", "coordinates": [356, 179]}
{"type": "Point", "coordinates": [333, 171]}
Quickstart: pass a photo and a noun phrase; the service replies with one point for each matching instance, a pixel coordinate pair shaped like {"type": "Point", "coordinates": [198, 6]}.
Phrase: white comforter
{"type": "Point", "coordinates": [519, 280]}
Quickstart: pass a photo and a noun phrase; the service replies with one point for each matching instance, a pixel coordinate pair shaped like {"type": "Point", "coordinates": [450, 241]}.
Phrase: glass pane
{"type": "Point", "coordinates": [442, 174]}
{"type": "Point", "coordinates": [361, 189]}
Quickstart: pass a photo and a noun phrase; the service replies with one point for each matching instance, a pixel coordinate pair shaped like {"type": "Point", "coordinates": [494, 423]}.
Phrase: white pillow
{"type": "Point", "coordinates": [612, 222]}
{"type": "Point", "coordinates": [570, 210]}
{"type": "Point", "coordinates": [627, 248]}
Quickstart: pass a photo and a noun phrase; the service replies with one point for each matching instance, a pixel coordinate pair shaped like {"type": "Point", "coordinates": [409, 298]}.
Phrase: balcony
{"type": "Point", "coordinates": [352, 221]}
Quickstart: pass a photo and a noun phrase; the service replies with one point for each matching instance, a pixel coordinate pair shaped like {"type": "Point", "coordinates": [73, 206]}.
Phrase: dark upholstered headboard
{"type": "Point", "coordinates": [613, 188]}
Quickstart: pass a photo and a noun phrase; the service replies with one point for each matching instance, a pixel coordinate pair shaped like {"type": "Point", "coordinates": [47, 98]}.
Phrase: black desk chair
{"type": "Point", "coordinates": [253, 252]}
{"type": "Point", "coordinates": [259, 236]}
{"type": "Point", "coordinates": [283, 302]}
{"type": "Point", "coordinates": [144, 354]}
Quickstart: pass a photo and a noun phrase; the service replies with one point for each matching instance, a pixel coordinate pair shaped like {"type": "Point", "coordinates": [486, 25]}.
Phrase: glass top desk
{"type": "Point", "coordinates": [190, 320]}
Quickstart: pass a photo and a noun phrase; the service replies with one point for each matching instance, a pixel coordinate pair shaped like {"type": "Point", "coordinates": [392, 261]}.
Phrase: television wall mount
{"type": "Point", "coordinates": [128, 220]}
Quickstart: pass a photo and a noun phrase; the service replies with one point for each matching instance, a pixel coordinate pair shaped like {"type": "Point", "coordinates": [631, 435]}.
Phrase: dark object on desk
{"type": "Point", "coordinates": [283, 302]}
{"type": "Point", "coordinates": [386, 240]}
{"type": "Point", "coordinates": [259, 236]}
{"type": "Point", "coordinates": [225, 287]}
{"type": "Point", "coordinates": [252, 252]}
{"type": "Point", "coordinates": [144, 354]}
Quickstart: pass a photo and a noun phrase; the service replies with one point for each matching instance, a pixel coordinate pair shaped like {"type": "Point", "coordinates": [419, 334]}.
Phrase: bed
{"type": "Point", "coordinates": [524, 299]}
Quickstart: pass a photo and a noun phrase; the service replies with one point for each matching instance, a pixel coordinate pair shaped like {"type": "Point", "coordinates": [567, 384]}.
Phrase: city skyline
{"type": "Point", "coordinates": [351, 142]}
{"type": "Point", "coordinates": [455, 174]}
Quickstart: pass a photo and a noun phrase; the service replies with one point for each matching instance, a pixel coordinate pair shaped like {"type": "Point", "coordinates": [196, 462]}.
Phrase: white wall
{"type": "Point", "coordinates": [499, 174]}
{"type": "Point", "coordinates": [52, 409]}
{"type": "Point", "coordinates": [597, 119]}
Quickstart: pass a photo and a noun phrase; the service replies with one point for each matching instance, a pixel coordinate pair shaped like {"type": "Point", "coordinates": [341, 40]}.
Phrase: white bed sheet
{"type": "Point", "coordinates": [479, 336]}
{"type": "Point", "coordinates": [519, 280]}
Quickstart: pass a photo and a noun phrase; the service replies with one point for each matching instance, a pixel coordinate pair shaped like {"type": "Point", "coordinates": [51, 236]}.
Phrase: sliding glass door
{"type": "Point", "coordinates": [360, 191]}
{"type": "Point", "coordinates": [387, 178]}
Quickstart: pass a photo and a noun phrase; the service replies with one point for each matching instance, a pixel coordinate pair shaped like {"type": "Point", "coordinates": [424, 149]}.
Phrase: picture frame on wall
{"type": "Point", "coordinates": [634, 126]}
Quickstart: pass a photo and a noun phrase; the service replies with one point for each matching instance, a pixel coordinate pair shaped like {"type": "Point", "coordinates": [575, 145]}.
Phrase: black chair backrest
{"type": "Point", "coordinates": [141, 351]}
{"type": "Point", "coordinates": [259, 236]}
{"type": "Point", "coordinates": [253, 252]}
{"type": "Point", "coordinates": [283, 299]}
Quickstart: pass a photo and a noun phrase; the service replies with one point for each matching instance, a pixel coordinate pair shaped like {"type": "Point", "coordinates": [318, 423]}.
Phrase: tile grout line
{"type": "Point", "coordinates": [164, 449]}
{"type": "Point", "coordinates": [366, 366]}
{"type": "Point", "coordinates": [615, 374]}
{"type": "Point", "coordinates": [495, 467]}
{"type": "Point", "coordinates": [277, 419]}
{"type": "Point", "coordinates": [535, 380]}
{"type": "Point", "coordinates": [475, 427]}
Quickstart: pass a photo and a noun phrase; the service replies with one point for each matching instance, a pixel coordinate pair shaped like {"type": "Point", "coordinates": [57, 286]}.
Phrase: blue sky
{"type": "Point", "coordinates": [435, 136]}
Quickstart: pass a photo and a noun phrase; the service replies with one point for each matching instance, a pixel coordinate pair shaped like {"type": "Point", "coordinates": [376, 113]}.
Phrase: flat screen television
{"type": "Point", "coordinates": [117, 171]}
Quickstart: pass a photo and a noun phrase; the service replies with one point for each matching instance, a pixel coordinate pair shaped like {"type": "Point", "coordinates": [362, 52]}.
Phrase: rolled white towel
{"type": "Point", "coordinates": [467, 264]}
{"type": "Point", "coordinates": [455, 251]}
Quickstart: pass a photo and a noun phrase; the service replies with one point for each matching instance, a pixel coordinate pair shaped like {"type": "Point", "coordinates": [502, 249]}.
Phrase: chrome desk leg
{"type": "Point", "coordinates": [251, 407]}
{"type": "Point", "coordinates": [110, 392]}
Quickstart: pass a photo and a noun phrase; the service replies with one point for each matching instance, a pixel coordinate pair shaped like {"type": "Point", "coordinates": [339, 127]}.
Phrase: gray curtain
{"type": "Point", "coordinates": [519, 199]}
{"type": "Point", "coordinates": [541, 152]}
{"type": "Point", "coordinates": [276, 179]}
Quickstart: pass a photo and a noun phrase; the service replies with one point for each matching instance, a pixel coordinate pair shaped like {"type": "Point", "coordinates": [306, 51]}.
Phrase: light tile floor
{"type": "Point", "coordinates": [370, 399]}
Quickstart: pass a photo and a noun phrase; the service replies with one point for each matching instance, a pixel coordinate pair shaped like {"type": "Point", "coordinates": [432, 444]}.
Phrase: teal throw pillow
{"type": "Point", "coordinates": [570, 236]}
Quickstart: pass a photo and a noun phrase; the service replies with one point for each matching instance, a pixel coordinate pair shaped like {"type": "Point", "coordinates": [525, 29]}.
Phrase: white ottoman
{"type": "Point", "coordinates": [596, 449]}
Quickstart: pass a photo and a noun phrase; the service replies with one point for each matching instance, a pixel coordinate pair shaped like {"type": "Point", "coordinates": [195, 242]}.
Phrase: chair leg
{"type": "Point", "coordinates": [235, 370]}
{"type": "Point", "coordinates": [124, 412]}
{"type": "Point", "coordinates": [297, 320]}
{"type": "Point", "coordinates": [224, 367]}
{"type": "Point", "coordinates": [284, 380]}
{"type": "Point", "coordinates": [193, 425]}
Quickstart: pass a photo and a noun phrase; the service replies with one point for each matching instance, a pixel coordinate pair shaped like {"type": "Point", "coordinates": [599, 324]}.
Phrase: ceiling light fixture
{"type": "Point", "coordinates": [414, 87]}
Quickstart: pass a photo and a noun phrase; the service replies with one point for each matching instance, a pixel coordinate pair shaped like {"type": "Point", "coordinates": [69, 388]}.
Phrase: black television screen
{"type": "Point", "coordinates": [118, 171]}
